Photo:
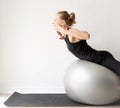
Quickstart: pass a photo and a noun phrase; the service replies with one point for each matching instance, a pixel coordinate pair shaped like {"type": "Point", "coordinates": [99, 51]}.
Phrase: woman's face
{"type": "Point", "coordinates": [57, 21]}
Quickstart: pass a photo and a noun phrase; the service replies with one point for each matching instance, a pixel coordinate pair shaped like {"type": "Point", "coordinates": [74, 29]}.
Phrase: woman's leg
{"type": "Point", "coordinates": [111, 63]}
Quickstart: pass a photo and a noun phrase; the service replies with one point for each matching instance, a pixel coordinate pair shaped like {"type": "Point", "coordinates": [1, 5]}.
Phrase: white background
{"type": "Point", "coordinates": [32, 58]}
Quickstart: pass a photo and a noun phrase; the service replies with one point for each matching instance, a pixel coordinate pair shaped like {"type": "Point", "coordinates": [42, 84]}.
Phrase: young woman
{"type": "Point", "coordinates": [77, 45]}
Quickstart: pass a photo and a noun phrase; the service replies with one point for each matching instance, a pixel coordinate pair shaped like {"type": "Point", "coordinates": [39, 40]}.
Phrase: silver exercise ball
{"type": "Point", "coordinates": [90, 83]}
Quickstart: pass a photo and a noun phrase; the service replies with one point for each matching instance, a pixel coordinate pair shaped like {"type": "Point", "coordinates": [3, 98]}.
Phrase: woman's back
{"type": "Point", "coordinates": [83, 51]}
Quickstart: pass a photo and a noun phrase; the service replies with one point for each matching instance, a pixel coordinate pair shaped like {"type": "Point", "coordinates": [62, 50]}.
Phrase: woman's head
{"type": "Point", "coordinates": [63, 18]}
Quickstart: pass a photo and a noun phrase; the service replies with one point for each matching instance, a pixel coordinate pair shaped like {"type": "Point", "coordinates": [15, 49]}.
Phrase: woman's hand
{"type": "Point", "coordinates": [61, 32]}
{"type": "Point", "coordinates": [60, 35]}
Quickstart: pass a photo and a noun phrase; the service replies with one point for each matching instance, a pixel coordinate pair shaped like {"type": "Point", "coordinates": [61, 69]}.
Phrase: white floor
{"type": "Point", "coordinates": [3, 98]}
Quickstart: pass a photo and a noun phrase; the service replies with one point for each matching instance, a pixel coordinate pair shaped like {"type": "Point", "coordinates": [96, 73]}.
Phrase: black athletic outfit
{"type": "Point", "coordinates": [83, 51]}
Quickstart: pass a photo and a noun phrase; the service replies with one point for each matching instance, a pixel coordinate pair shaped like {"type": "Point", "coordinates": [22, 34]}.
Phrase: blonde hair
{"type": "Point", "coordinates": [68, 18]}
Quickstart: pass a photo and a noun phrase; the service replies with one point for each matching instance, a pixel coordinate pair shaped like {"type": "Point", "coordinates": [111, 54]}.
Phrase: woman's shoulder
{"type": "Point", "coordinates": [77, 29]}
{"type": "Point", "coordinates": [71, 28]}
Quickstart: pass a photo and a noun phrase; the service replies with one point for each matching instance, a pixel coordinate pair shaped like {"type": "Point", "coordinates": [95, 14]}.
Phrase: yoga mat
{"type": "Point", "coordinates": [39, 100]}
{"type": "Point", "coordinates": [42, 100]}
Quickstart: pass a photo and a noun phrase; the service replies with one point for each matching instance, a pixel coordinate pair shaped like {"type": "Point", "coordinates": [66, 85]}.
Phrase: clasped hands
{"type": "Point", "coordinates": [60, 31]}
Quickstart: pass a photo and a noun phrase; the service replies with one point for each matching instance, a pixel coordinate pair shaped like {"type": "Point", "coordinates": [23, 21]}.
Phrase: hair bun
{"type": "Point", "coordinates": [72, 17]}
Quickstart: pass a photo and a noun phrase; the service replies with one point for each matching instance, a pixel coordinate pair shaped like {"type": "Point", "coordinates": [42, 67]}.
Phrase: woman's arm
{"type": "Point", "coordinates": [82, 35]}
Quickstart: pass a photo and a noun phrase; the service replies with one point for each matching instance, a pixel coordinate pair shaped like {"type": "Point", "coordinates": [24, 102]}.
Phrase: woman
{"type": "Point", "coordinates": [77, 45]}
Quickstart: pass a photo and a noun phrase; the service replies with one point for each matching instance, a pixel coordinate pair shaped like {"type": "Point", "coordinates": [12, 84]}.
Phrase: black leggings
{"type": "Point", "coordinates": [110, 62]}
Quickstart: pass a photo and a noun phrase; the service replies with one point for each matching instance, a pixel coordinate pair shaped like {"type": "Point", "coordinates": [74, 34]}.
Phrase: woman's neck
{"type": "Point", "coordinates": [65, 27]}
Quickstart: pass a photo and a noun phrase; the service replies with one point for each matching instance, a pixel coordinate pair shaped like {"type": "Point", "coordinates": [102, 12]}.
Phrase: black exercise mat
{"type": "Point", "coordinates": [41, 100]}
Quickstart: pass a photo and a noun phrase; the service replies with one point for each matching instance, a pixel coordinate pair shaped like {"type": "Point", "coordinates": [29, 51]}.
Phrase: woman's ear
{"type": "Point", "coordinates": [63, 23]}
